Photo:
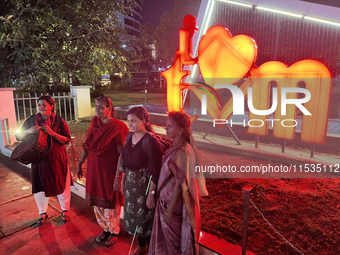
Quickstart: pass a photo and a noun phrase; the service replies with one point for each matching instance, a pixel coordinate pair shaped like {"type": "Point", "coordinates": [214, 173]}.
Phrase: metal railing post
{"type": "Point", "coordinates": [257, 139]}
{"type": "Point", "coordinates": [246, 191]}
{"type": "Point", "coordinates": [312, 150]}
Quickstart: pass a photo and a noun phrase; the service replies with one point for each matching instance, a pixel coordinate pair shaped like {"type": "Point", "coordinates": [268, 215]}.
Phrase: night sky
{"type": "Point", "coordinates": [153, 10]}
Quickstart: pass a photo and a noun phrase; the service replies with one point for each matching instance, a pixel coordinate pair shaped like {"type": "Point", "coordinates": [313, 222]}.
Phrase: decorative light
{"type": "Point", "coordinates": [280, 12]}
{"type": "Point", "coordinates": [237, 3]}
{"type": "Point", "coordinates": [209, 16]}
{"type": "Point", "coordinates": [206, 21]}
{"type": "Point", "coordinates": [322, 21]}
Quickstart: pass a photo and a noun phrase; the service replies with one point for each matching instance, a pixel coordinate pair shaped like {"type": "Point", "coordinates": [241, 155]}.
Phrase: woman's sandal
{"type": "Point", "coordinates": [42, 219]}
{"type": "Point", "coordinates": [111, 240]}
{"type": "Point", "coordinates": [100, 238]}
{"type": "Point", "coordinates": [66, 217]}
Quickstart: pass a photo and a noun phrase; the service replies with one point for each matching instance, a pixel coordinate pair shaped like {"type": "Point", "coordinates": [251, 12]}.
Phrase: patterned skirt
{"type": "Point", "coordinates": [138, 218]}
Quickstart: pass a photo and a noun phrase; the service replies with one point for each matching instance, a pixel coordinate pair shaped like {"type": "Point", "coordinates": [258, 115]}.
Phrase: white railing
{"type": "Point", "coordinates": [27, 106]}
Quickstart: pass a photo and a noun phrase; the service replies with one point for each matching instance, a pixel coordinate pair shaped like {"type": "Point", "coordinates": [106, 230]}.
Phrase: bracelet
{"type": "Point", "coordinates": [55, 136]}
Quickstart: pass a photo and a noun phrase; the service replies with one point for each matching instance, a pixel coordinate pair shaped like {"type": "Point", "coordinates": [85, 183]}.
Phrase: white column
{"type": "Point", "coordinates": [82, 101]}
{"type": "Point", "coordinates": [7, 111]}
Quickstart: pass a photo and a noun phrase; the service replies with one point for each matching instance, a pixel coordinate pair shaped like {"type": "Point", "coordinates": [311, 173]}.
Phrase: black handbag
{"type": "Point", "coordinates": [32, 147]}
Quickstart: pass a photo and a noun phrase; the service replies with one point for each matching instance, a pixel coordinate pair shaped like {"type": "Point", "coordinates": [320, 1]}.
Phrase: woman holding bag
{"type": "Point", "coordinates": [103, 146]}
{"type": "Point", "coordinates": [50, 174]}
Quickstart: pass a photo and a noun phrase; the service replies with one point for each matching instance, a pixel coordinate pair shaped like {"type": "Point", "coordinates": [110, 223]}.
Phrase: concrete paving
{"type": "Point", "coordinates": [18, 215]}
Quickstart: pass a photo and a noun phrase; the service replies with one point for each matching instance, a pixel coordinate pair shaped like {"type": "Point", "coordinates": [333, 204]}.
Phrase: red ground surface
{"type": "Point", "coordinates": [304, 211]}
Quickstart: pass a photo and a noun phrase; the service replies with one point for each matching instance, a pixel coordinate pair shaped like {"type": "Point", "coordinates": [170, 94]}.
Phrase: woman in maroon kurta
{"type": "Point", "coordinates": [50, 173]}
{"type": "Point", "coordinates": [103, 146]}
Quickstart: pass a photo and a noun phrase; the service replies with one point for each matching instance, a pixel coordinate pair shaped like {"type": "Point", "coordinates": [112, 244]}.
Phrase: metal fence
{"type": "Point", "coordinates": [27, 106]}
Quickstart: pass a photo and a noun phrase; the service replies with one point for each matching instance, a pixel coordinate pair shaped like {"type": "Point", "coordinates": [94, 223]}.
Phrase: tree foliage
{"type": "Point", "coordinates": [44, 38]}
{"type": "Point", "coordinates": [166, 35]}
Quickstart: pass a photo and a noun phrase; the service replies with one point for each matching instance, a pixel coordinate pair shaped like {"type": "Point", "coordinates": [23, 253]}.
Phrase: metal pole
{"type": "Point", "coordinates": [59, 104]}
{"type": "Point", "coordinates": [233, 134]}
{"type": "Point", "coordinates": [283, 145]}
{"type": "Point", "coordinates": [257, 141]}
{"type": "Point", "coordinates": [70, 80]}
{"type": "Point", "coordinates": [64, 105]}
{"type": "Point", "coordinates": [246, 192]}
{"type": "Point", "coordinates": [206, 134]}
{"type": "Point", "coordinates": [69, 103]}
{"type": "Point", "coordinates": [36, 102]}
{"type": "Point", "coordinates": [18, 110]}
{"type": "Point", "coordinates": [312, 150]}
{"type": "Point", "coordinates": [23, 103]}
{"type": "Point", "coordinates": [30, 101]}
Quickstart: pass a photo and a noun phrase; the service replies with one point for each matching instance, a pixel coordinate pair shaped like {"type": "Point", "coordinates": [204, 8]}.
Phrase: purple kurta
{"type": "Point", "coordinates": [182, 236]}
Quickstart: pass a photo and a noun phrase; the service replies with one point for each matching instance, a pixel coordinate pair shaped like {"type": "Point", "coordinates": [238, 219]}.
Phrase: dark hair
{"type": "Point", "coordinates": [142, 114]}
{"type": "Point", "coordinates": [108, 103]}
{"type": "Point", "coordinates": [49, 100]}
{"type": "Point", "coordinates": [183, 121]}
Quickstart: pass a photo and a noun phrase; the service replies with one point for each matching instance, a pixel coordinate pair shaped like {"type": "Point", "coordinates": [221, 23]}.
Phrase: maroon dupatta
{"type": "Point", "coordinates": [99, 134]}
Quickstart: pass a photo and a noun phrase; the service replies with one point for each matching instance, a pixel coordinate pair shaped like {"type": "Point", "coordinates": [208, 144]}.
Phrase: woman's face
{"type": "Point", "coordinates": [135, 124]}
{"type": "Point", "coordinates": [44, 108]}
{"type": "Point", "coordinates": [102, 110]}
{"type": "Point", "coordinates": [172, 129]}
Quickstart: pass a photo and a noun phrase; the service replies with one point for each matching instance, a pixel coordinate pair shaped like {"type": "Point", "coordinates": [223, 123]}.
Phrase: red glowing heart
{"type": "Point", "coordinates": [221, 56]}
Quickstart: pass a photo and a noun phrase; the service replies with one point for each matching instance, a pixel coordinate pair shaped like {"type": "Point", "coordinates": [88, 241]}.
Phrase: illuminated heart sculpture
{"type": "Point", "coordinates": [225, 60]}
{"type": "Point", "coordinates": [221, 56]}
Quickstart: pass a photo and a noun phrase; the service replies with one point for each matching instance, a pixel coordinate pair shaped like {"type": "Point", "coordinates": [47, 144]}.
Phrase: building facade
{"type": "Point", "coordinates": [132, 22]}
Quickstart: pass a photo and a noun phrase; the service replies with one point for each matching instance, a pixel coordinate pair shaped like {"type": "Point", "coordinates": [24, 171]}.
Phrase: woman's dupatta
{"type": "Point", "coordinates": [100, 135]}
{"type": "Point", "coordinates": [39, 121]}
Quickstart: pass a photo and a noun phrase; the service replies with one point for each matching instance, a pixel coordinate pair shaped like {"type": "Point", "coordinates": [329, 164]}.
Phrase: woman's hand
{"type": "Point", "coordinates": [79, 171]}
{"type": "Point", "coordinates": [116, 185]}
{"type": "Point", "coordinates": [150, 201]}
{"type": "Point", "coordinates": [47, 130]}
{"type": "Point", "coordinates": [167, 217]}
{"type": "Point", "coordinates": [32, 130]}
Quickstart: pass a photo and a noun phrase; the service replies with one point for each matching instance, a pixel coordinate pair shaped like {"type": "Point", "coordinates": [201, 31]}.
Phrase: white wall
{"type": "Point", "coordinates": [7, 111]}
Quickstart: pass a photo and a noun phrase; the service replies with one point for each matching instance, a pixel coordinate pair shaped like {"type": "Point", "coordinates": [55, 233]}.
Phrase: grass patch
{"type": "Point", "coordinates": [126, 98]}
{"type": "Point", "coordinates": [79, 128]}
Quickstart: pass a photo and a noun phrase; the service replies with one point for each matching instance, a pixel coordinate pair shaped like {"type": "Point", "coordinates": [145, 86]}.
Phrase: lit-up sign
{"type": "Point", "coordinates": [305, 85]}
